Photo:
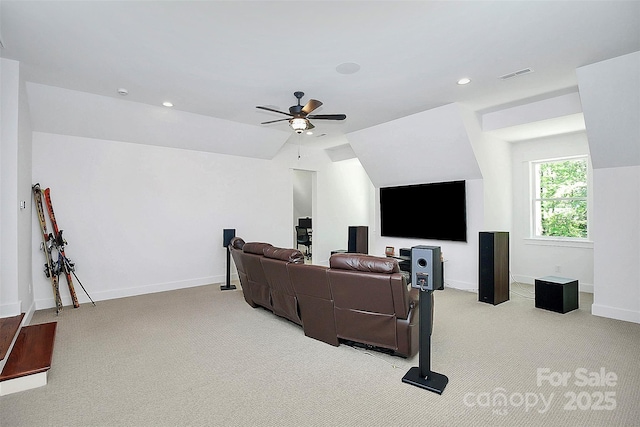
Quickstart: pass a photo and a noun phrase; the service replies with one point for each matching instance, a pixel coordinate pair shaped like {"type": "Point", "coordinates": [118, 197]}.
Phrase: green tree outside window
{"type": "Point", "coordinates": [560, 198]}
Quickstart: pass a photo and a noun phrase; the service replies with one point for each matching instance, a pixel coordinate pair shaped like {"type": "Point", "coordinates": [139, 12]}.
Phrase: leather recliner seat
{"type": "Point", "coordinates": [311, 285]}
{"type": "Point", "coordinates": [253, 252]}
{"type": "Point", "coordinates": [373, 304]}
{"type": "Point", "coordinates": [235, 247]}
{"type": "Point", "coordinates": [284, 301]}
{"type": "Point", "coordinates": [358, 298]}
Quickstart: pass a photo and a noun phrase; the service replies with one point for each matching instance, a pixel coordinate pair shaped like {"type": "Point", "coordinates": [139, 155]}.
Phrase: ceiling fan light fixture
{"type": "Point", "coordinates": [298, 124]}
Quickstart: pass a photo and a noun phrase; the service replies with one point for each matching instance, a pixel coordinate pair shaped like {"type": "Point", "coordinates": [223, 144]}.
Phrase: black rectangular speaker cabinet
{"type": "Point", "coordinates": [358, 239]}
{"type": "Point", "coordinates": [493, 278]}
{"type": "Point", "coordinates": [227, 235]}
{"type": "Point", "coordinates": [426, 268]}
{"type": "Point", "coordinates": [557, 294]}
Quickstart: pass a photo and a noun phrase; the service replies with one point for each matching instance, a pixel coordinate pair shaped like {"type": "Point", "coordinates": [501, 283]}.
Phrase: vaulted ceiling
{"type": "Point", "coordinates": [374, 61]}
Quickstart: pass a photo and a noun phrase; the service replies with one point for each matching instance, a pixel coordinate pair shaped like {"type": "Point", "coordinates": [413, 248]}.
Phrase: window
{"type": "Point", "coordinates": [559, 202]}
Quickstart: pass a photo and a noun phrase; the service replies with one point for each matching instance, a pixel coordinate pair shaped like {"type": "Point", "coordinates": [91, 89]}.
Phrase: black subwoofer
{"type": "Point", "coordinates": [556, 294]}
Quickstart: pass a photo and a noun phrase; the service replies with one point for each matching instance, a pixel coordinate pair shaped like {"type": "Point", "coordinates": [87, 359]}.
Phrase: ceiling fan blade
{"type": "Point", "coordinates": [273, 121]}
{"type": "Point", "coordinates": [309, 125]}
{"type": "Point", "coordinates": [311, 105]}
{"type": "Point", "coordinates": [271, 109]}
{"type": "Point", "coordinates": [328, 116]}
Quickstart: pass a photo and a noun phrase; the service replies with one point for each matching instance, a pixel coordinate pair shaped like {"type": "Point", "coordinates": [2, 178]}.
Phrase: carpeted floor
{"type": "Point", "coordinates": [203, 357]}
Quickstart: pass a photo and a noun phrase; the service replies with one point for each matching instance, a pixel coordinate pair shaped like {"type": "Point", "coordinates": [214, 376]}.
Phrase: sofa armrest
{"type": "Point", "coordinates": [400, 294]}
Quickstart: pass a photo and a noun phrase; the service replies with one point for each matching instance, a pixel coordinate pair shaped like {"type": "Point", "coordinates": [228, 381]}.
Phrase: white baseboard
{"type": "Point", "coordinates": [582, 287]}
{"type": "Point", "coordinates": [461, 286]}
{"type": "Point", "coordinates": [615, 313]}
{"type": "Point", "coordinates": [139, 290]}
{"type": "Point", "coordinates": [11, 309]}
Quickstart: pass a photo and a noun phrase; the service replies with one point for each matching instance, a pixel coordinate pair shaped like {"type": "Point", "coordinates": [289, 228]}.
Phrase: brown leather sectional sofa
{"type": "Point", "coordinates": [359, 298]}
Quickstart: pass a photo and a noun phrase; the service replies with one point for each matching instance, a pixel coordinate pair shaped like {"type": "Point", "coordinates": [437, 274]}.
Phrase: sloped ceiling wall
{"type": "Point", "coordinates": [610, 95]}
{"type": "Point", "coordinates": [67, 112]}
{"type": "Point", "coordinates": [431, 146]}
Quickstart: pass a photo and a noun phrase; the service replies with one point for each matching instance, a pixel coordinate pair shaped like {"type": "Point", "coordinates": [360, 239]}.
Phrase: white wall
{"type": "Point", "coordinates": [461, 258]}
{"type": "Point", "coordinates": [141, 218]}
{"type": "Point", "coordinates": [69, 112]}
{"type": "Point", "coordinates": [25, 260]}
{"type": "Point", "coordinates": [9, 83]}
{"type": "Point", "coordinates": [610, 97]}
{"type": "Point", "coordinates": [535, 258]}
{"type": "Point", "coordinates": [302, 194]}
{"type": "Point", "coordinates": [15, 182]}
{"type": "Point", "coordinates": [610, 94]}
{"type": "Point", "coordinates": [494, 159]}
{"type": "Point", "coordinates": [430, 146]}
{"type": "Point", "coordinates": [343, 193]}
{"type": "Point", "coordinates": [433, 146]}
{"type": "Point", "coordinates": [617, 243]}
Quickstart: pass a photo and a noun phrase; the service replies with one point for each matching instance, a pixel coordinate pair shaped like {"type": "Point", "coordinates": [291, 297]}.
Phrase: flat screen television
{"type": "Point", "coordinates": [435, 211]}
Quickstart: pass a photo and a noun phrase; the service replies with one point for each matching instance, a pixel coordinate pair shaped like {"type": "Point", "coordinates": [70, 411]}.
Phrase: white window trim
{"type": "Point", "coordinates": [533, 239]}
{"type": "Point", "coordinates": [560, 242]}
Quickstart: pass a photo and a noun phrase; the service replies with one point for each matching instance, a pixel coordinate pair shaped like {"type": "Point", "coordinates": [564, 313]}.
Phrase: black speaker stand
{"type": "Point", "coordinates": [228, 286]}
{"type": "Point", "coordinates": [422, 376]}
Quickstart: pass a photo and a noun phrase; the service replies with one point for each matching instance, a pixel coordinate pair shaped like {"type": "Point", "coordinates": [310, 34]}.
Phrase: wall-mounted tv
{"type": "Point", "coordinates": [425, 211]}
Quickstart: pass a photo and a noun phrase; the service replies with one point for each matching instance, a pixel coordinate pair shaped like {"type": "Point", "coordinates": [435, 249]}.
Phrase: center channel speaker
{"type": "Point", "coordinates": [426, 268]}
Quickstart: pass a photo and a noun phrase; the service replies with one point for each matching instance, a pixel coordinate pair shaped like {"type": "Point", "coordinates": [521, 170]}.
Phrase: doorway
{"type": "Point", "coordinates": [303, 197]}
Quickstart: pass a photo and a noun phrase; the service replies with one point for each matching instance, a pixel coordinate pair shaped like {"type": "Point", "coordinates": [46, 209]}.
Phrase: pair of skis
{"type": "Point", "coordinates": [54, 267]}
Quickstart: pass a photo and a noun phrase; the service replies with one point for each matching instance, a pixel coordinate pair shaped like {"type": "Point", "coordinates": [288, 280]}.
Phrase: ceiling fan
{"type": "Point", "coordinates": [300, 116]}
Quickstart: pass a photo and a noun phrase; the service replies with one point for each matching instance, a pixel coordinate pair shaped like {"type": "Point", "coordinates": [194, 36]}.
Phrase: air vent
{"type": "Point", "coordinates": [516, 74]}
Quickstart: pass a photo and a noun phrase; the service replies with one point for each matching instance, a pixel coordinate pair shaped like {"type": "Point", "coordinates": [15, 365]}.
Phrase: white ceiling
{"type": "Point", "coordinates": [222, 59]}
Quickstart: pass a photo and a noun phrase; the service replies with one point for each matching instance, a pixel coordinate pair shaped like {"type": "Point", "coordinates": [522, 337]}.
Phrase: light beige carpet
{"type": "Point", "coordinates": [203, 357]}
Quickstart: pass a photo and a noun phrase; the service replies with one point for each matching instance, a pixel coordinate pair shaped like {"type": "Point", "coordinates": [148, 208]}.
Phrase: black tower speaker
{"type": "Point", "coordinates": [358, 239]}
{"type": "Point", "coordinates": [493, 278]}
{"type": "Point", "coordinates": [227, 235]}
{"type": "Point", "coordinates": [426, 268]}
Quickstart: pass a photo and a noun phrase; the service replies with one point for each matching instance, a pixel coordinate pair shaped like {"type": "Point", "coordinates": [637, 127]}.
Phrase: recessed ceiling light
{"type": "Point", "coordinates": [167, 104]}
{"type": "Point", "coordinates": [309, 132]}
{"type": "Point", "coordinates": [122, 91]}
{"type": "Point", "coordinates": [348, 68]}
{"type": "Point", "coordinates": [464, 81]}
